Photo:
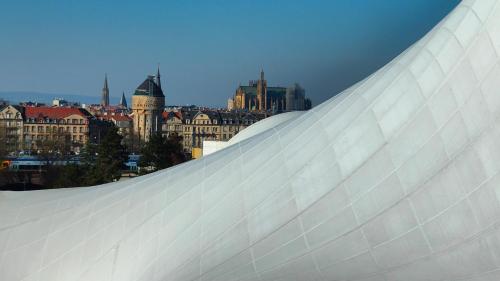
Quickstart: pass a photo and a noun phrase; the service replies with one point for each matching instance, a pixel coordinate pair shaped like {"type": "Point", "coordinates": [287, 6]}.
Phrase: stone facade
{"type": "Point", "coordinates": [196, 126]}
{"type": "Point", "coordinates": [257, 96]}
{"type": "Point", "coordinates": [148, 103]}
{"type": "Point", "coordinates": [68, 126]}
{"type": "Point", "coordinates": [11, 127]}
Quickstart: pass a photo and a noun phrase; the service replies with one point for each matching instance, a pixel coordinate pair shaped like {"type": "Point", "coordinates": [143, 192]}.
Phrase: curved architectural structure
{"type": "Point", "coordinates": [397, 178]}
{"type": "Point", "coordinates": [263, 125]}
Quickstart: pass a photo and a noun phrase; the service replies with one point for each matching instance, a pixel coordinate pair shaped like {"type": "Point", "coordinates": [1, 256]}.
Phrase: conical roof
{"type": "Point", "coordinates": [149, 88]}
{"type": "Point", "coordinates": [123, 101]}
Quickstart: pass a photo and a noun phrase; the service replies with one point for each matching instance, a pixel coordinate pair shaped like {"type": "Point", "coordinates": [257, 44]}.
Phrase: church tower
{"type": "Point", "coordinates": [123, 101]}
{"type": "Point", "coordinates": [262, 92]}
{"type": "Point", "coordinates": [105, 92]}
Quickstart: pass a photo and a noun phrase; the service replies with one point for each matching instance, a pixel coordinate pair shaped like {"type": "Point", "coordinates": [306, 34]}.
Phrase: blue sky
{"type": "Point", "coordinates": [205, 48]}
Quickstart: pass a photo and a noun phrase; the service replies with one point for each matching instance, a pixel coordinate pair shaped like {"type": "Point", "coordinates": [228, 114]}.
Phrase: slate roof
{"type": "Point", "coordinates": [149, 88]}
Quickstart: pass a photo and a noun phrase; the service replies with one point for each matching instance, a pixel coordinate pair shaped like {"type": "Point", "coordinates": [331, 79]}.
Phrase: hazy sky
{"type": "Point", "coordinates": [205, 48]}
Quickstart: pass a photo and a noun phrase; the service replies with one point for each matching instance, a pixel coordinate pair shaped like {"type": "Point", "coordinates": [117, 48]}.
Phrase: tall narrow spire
{"type": "Point", "coordinates": [123, 101]}
{"type": "Point", "coordinates": [158, 81]}
{"type": "Point", "coordinates": [105, 92]}
{"type": "Point", "coordinates": [105, 81]}
{"type": "Point", "coordinates": [262, 74]}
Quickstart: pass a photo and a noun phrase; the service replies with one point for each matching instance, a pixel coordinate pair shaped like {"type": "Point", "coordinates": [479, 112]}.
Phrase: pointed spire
{"type": "Point", "coordinates": [106, 81]}
{"type": "Point", "coordinates": [158, 81]}
{"type": "Point", "coordinates": [123, 101]}
{"type": "Point", "coordinates": [105, 92]}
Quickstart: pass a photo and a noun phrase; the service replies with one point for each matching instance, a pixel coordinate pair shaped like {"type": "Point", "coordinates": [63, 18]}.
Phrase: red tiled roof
{"type": "Point", "coordinates": [120, 117]}
{"type": "Point", "coordinates": [53, 112]}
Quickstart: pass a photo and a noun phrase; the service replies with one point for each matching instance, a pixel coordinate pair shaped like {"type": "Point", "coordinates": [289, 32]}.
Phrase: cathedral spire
{"type": "Point", "coordinates": [158, 81]}
{"type": "Point", "coordinates": [106, 81]}
{"type": "Point", "coordinates": [105, 92]}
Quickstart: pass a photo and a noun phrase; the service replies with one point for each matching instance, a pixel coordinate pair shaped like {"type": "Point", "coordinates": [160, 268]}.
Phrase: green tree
{"type": "Point", "coordinates": [160, 153]}
{"type": "Point", "coordinates": [71, 175]}
{"type": "Point", "coordinates": [88, 155]}
{"type": "Point", "coordinates": [109, 161]}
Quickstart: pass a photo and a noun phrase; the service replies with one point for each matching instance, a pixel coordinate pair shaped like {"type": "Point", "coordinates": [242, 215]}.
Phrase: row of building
{"type": "Point", "coordinates": [197, 126]}
{"type": "Point", "coordinates": [32, 127]}
{"type": "Point", "coordinates": [29, 126]}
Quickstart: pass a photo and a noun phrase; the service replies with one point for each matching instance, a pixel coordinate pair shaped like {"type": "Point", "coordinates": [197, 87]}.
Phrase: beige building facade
{"type": "Point", "coordinates": [197, 126]}
{"type": "Point", "coordinates": [65, 126]}
{"type": "Point", "coordinates": [11, 127]}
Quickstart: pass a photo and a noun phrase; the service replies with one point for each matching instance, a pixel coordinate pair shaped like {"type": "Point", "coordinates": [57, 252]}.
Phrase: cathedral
{"type": "Point", "coordinates": [148, 102]}
{"type": "Point", "coordinates": [257, 96]}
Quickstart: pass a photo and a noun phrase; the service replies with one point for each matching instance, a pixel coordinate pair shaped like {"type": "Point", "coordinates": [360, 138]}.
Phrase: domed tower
{"type": "Point", "coordinates": [148, 103]}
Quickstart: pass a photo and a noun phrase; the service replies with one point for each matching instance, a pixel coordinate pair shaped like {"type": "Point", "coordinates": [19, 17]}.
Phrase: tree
{"type": "Point", "coordinates": [161, 152]}
{"type": "Point", "coordinates": [109, 161]}
{"type": "Point", "coordinates": [62, 176]}
{"type": "Point", "coordinates": [54, 146]}
{"type": "Point", "coordinates": [133, 142]}
{"type": "Point", "coordinates": [3, 139]}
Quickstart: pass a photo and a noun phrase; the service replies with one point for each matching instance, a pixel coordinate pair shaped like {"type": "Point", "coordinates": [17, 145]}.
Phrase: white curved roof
{"type": "Point", "coordinates": [397, 178]}
{"type": "Point", "coordinates": [264, 125]}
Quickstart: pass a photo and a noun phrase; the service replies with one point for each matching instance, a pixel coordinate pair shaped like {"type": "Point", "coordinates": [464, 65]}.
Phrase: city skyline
{"type": "Point", "coordinates": [205, 50]}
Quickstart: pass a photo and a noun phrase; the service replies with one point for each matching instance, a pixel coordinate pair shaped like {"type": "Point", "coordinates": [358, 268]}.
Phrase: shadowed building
{"type": "Point", "coordinates": [148, 102]}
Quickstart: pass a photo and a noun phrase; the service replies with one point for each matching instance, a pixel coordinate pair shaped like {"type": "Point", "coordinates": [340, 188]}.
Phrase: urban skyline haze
{"type": "Point", "coordinates": [205, 48]}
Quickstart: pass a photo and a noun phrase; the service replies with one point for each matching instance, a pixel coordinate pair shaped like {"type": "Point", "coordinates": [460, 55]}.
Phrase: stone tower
{"type": "Point", "coordinates": [261, 92]}
{"type": "Point", "coordinates": [148, 103]}
{"type": "Point", "coordinates": [105, 92]}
